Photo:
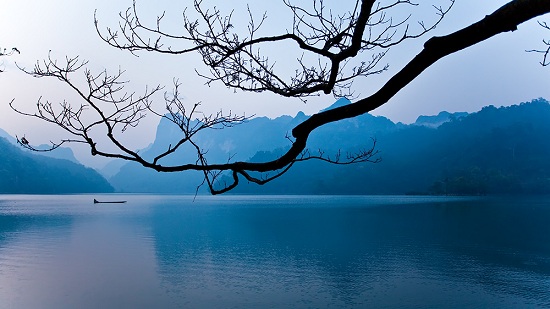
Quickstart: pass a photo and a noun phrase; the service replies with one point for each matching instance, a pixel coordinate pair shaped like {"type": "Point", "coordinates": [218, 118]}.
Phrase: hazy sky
{"type": "Point", "coordinates": [497, 72]}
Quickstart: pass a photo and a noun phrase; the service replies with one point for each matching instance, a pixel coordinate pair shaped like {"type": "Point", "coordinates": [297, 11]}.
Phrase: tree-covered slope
{"type": "Point", "coordinates": [23, 172]}
{"type": "Point", "coordinates": [494, 151]}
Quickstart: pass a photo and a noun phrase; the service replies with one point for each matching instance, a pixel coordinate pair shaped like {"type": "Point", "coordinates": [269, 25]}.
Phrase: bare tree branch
{"type": "Point", "coordinates": [10, 52]}
{"type": "Point", "coordinates": [238, 64]}
{"type": "Point", "coordinates": [545, 52]}
{"type": "Point", "coordinates": [5, 52]}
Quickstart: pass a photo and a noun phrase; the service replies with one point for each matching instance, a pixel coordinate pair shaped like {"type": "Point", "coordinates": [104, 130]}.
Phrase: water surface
{"type": "Point", "coordinates": [274, 252]}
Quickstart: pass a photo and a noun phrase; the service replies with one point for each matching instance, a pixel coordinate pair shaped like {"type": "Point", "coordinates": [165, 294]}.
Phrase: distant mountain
{"type": "Point", "coordinates": [339, 103]}
{"type": "Point", "coordinates": [494, 151]}
{"type": "Point", "coordinates": [64, 153]}
{"type": "Point", "coordinates": [26, 172]}
{"type": "Point", "coordinates": [439, 119]}
{"type": "Point", "coordinates": [112, 168]}
{"type": "Point", "coordinates": [8, 137]}
{"type": "Point", "coordinates": [239, 143]}
{"type": "Point", "coordinates": [58, 153]}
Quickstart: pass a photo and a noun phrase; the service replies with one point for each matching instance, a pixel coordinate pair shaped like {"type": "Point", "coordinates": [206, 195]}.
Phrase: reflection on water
{"type": "Point", "coordinates": [274, 252]}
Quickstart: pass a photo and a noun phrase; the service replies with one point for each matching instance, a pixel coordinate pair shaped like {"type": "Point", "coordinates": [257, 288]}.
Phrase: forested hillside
{"type": "Point", "coordinates": [24, 172]}
{"type": "Point", "coordinates": [494, 151]}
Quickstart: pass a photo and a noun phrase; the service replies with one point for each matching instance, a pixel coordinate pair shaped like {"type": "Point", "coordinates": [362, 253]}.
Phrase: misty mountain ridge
{"type": "Point", "coordinates": [240, 143]}
{"type": "Point", "coordinates": [64, 153]}
{"type": "Point", "coordinates": [24, 172]}
{"type": "Point", "coordinates": [166, 132]}
{"type": "Point", "coordinates": [432, 121]}
{"type": "Point", "coordinates": [436, 154]}
{"type": "Point", "coordinates": [439, 119]}
{"type": "Point", "coordinates": [492, 151]}
{"type": "Point", "coordinates": [8, 137]}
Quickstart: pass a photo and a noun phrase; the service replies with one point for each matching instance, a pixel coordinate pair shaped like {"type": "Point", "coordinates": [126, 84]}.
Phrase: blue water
{"type": "Point", "coordinates": [274, 252]}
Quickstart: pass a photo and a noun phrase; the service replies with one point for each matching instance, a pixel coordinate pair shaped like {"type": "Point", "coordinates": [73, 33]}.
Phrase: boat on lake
{"type": "Point", "coordinates": [108, 202]}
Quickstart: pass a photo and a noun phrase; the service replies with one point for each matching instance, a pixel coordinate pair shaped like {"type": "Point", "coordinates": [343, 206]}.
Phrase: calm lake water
{"type": "Point", "coordinates": [274, 252]}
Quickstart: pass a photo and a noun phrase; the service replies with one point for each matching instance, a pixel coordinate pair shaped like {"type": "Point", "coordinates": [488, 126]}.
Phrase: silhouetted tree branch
{"type": "Point", "coordinates": [237, 62]}
{"type": "Point", "coordinates": [5, 52]}
{"type": "Point", "coordinates": [545, 52]}
{"type": "Point", "coordinates": [10, 52]}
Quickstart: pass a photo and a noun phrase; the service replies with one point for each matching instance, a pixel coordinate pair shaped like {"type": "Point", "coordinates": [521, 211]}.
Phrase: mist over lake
{"type": "Point", "coordinates": [274, 252]}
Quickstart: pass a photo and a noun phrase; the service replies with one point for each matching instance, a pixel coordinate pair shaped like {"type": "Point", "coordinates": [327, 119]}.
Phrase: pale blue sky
{"type": "Point", "coordinates": [497, 72]}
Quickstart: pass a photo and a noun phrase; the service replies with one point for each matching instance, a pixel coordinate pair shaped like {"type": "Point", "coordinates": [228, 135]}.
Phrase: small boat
{"type": "Point", "coordinates": [108, 202]}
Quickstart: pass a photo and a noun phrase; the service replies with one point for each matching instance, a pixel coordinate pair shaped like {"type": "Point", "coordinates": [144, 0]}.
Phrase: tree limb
{"type": "Point", "coordinates": [105, 88]}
